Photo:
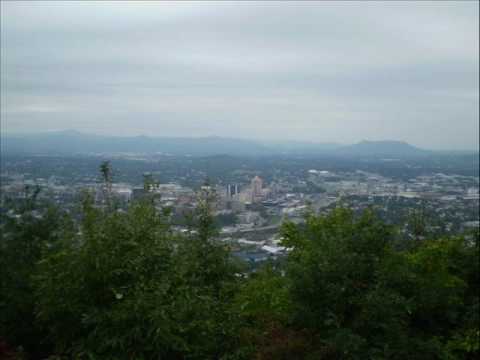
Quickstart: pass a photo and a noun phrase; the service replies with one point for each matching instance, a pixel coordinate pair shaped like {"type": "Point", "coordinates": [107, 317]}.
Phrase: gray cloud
{"type": "Point", "coordinates": [317, 71]}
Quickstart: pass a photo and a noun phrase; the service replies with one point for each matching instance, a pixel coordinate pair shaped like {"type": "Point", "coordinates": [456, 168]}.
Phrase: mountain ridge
{"type": "Point", "coordinates": [383, 148]}
{"type": "Point", "coordinates": [75, 142]}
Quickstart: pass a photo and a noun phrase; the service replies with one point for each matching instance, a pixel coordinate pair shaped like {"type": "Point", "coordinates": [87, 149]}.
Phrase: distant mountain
{"type": "Point", "coordinates": [388, 148]}
{"type": "Point", "coordinates": [73, 142]}
{"type": "Point", "coordinates": [301, 148]}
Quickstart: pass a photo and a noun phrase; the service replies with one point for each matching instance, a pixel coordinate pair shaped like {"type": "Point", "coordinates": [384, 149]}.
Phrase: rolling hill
{"type": "Point", "coordinates": [72, 142]}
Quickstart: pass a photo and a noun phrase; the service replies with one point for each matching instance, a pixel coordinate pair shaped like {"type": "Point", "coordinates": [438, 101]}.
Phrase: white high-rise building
{"type": "Point", "coordinates": [232, 190]}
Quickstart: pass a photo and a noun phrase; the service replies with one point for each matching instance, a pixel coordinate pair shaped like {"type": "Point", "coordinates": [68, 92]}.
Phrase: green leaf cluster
{"type": "Point", "coordinates": [115, 284]}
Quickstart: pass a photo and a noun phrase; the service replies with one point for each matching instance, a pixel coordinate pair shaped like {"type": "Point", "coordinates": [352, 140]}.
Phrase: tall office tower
{"type": "Point", "coordinates": [257, 192]}
{"type": "Point", "coordinates": [232, 190]}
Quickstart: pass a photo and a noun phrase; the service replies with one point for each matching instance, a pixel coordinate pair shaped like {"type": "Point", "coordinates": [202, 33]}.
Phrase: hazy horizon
{"type": "Point", "coordinates": [319, 72]}
{"type": "Point", "coordinates": [260, 141]}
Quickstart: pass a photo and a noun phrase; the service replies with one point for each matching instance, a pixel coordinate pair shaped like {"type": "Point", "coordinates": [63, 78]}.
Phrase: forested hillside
{"type": "Point", "coordinates": [112, 284]}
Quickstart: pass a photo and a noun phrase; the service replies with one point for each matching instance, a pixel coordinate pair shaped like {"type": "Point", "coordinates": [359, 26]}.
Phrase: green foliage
{"type": "Point", "coordinates": [309, 188]}
{"type": "Point", "coordinates": [264, 297]}
{"type": "Point", "coordinates": [262, 304]}
{"type": "Point", "coordinates": [225, 220]}
{"type": "Point", "coordinates": [149, 183]}
{"type": "Point", "coordinates": [106, 171]}
{"type": "Point", "coordinates": [123, 285]}
{"type": "Point", "coordinates": [127, 287]}
{"type": "Point", "coordinates": [362, 299]}
{"type": "Point", "coordinates": [29, 231]}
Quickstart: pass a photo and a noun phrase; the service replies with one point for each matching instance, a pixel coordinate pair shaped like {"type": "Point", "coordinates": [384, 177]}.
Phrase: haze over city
{"type": "Point", "coordinates": [304, 71]}
{"type": "Point", "coordinates": [239, 180]}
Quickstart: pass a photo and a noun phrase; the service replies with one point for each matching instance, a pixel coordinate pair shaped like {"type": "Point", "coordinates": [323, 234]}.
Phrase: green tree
{"type": "Point", "coordinates": [360, 298]}
{"type": "Point", "coordinates": [126, 287]}
{"type": "Point", "coordinates": [263, 306]}
{"type": "Point", "coordinates": [106, 173]}
{"type": "Point", "coordinates": [28, 231]}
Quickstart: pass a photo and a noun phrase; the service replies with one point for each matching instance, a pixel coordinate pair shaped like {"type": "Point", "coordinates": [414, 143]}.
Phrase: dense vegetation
{"type": "Point", "coordinates": [122, 285]}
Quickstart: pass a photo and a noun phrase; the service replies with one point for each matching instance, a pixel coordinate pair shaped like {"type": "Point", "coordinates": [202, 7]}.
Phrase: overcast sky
{"type": "Point", "coordinates": [315, 71]}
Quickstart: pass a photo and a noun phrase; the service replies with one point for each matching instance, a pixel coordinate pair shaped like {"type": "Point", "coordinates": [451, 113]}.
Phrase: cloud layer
{"type": "Point", "coordinates": [315, 71]}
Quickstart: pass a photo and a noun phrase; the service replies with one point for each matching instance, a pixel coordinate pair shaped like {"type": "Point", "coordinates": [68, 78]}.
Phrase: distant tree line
{"type": "Point", "coordinates": [124, 285]}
